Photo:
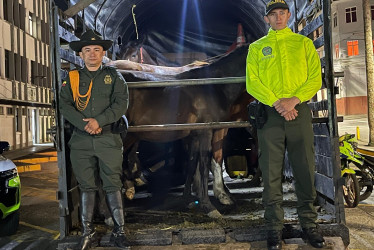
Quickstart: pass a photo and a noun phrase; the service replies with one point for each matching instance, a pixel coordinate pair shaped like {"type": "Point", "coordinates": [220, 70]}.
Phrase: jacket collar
{"type": "Point", "coordinates": [284, 31]}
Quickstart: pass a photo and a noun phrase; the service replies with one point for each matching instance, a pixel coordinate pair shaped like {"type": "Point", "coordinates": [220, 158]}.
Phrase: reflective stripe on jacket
{"type": "Point", "coordinates": [283, 64]}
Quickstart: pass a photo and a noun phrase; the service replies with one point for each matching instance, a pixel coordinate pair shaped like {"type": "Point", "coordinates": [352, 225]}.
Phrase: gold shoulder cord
{"type": "Point", "coordinates": [78, 98]}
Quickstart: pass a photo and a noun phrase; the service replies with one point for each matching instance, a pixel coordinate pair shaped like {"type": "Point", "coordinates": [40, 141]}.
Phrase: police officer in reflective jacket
{"type": "Point", "coordinates": [92, 99]}
{"type": "Point", "coordinates": [284, 72]}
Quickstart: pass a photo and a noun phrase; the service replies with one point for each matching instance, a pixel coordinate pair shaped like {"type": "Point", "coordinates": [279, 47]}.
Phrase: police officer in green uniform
{"type": "Point", "coordinates": [284, 72]}
{"type": "Point", "coordinates": [92, 99]}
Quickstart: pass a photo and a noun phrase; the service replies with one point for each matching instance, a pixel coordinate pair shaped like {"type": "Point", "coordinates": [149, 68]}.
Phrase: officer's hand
{"type": "Point", "coordinates": [98, 131]}
{"type": "Point", "coordinates": [91, 126]}
{"type": "Point", "coordinates": [285, 105]}
{"type": "Point", "coordinates": [291, 115]}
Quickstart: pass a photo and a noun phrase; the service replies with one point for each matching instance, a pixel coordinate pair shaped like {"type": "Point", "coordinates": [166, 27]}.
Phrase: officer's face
{"type": "Point", "coordinates": [92, 56]}
{"type": "Point", "coordinates": [278, 18]}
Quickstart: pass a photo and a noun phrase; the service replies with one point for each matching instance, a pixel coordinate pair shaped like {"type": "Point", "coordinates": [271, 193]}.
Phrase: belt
{"type": "Point", "coordinates": [107, 129]}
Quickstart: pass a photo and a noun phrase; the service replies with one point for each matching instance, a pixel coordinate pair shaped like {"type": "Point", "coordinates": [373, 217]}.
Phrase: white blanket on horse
{"type": "Point", "coordinates": [160, 70]}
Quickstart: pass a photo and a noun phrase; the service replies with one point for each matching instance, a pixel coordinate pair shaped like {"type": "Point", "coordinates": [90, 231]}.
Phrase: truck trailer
{"type": "Point", "coordinates": [179, 33]}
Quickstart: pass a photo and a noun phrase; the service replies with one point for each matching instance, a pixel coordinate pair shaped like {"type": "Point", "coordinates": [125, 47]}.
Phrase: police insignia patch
{"type": "Point", "coordinates": [108, 79]}
{"type": "Point", "coordinates": [267, 51]}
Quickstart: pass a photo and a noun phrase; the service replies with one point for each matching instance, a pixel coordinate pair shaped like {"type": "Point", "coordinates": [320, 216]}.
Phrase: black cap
{"type": "Point", "coordinates": [275, 4]}
{"type": "Point", "coordinates": [90, 37]}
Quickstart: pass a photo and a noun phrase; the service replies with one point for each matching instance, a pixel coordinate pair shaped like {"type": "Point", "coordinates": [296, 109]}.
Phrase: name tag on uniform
{"type": "Point", "coordinates": [108, 79]}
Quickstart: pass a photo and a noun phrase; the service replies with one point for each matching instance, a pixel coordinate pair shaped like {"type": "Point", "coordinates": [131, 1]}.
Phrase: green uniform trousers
{"type": "Point", "coordinates": [96, 157]}
{"type": "Point", "coordinates": [297, 136]}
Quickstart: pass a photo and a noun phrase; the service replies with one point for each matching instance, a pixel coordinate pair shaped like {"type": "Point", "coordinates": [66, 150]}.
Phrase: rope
{"type": "Point", "coordinates": [141, 55]}
{"type": "Point", "coordinates": [78, 98]}
{"type": "Point", "coordinates": [133, 17]}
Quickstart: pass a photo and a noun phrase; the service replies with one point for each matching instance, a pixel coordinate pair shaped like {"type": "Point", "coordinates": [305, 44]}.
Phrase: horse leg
{"type": "Point", "coordinates": [205, 152]}
{"type": "Point", "coordinates": [192, 161]}
{"type": "Point", "coordinates": [220, 190]}
{"type": "Point", "coordinates": [132, 172]}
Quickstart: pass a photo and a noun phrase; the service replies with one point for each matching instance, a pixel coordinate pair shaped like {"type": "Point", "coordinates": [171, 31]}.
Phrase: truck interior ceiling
{"type": "Point", "coordinates": [200, 28]}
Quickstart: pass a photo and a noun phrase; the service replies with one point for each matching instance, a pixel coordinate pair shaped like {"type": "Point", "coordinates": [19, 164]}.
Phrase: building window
{"type": "Point", "coordinates": [5, 10]}
{"type": "Point", "coordinates": [24, 69]}
{"type": "Point", "coordinates": [350, 15]}
{"type": "Point", "coordinates": [352, 48]}
{"type": "Point", "coordinates": [1, 110]}
{"type": "Point", "coordinates": [17, 67]}
{"type": "Point", "coordinates": [30, 24]}
{"type": "Point", "coordinates": [33, 72]}
{"type": "Point", "coordinates": [18, 127]}
{"type": "Point", "coordinates": [7, 64]}
{"type": "Point", "coordinates": [335, 19]}
{"type": "Point", "coordinates": [9, 111]}
{"type": "Point", "coordinates": [16, 14]}
{"type": "Point", "coordinates": [22, 14]}
{"type": "Point", "coordinates": [337, 50]}
{"type": "Point", "coordinates": [29, 119]}
{"type": "Point", "coordinates": [372, 12]}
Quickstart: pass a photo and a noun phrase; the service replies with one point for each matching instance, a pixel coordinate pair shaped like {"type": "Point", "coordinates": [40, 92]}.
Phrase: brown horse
{"type": "Point", "coordinates": [193, 104]}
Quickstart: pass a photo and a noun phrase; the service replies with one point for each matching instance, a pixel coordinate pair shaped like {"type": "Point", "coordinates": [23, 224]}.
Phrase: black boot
{"type": "Point", "coordinates": [274, 240]}
{"type": "Point", "coordinates": [114, 201]}
{"type": "Point", "coordinates": [89, 237]}
{"type": "Point", "coordinates": [314, 237]}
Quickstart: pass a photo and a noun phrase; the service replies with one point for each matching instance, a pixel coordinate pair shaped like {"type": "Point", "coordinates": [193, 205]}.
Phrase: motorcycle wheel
{"type": "Point", "coordinates": [351, 190]}
{"type": "Point", "coordinates": [363, 177]}
{"type": "Point", "coordinates": [365, 190]}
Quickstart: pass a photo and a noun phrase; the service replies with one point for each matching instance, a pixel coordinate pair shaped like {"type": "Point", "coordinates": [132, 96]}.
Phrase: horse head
{"type": "Point", "coordinates": [132, 51]}
{"type": "Point", "coordinates": [139, 52]}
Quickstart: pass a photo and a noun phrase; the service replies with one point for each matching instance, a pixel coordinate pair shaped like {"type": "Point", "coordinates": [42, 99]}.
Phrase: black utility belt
{"type": "Point", "coordinates": [107, 129]}
{"type": "Point", "coordinates": [118, 127]}
{"type": "Point", "coordinates": [257, 114]}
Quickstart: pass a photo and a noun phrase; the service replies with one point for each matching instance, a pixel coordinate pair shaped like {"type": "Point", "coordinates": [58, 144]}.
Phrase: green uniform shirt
{"type": "Point", "coordinates": [109, 97]}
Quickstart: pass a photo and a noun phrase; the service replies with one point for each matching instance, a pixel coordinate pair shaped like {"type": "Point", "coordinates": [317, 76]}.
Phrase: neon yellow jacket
{"type": "Point", "coordinates": [283, 64]}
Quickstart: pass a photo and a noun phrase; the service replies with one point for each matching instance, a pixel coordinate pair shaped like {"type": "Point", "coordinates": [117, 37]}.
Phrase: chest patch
{"type": "Point", "coordinates": [267, 51]}
{"type": "Point", "coordinates": [108, 79]}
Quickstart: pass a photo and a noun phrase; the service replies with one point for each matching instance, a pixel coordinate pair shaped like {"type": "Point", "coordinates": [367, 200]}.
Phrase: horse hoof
{"type": "Point", "coordinates": [225, 199]}
{"type": "Point", "coordinates": [130, 193]}
{"type": "Point", "coordinates": [215, 214]}
{"type": "Point", "coordinates": [139, 182]}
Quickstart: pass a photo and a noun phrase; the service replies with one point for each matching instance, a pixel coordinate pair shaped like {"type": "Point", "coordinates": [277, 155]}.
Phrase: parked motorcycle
{"type": "Point", "coordinates": [357, 170]}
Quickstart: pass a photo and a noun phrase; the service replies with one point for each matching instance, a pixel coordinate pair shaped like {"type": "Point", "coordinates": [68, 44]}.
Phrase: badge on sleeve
{"type": "Point", "coordinates": [63, 83]}
{"type": "Point", "coordinates": [108, 79]}
{"type": "Point", "coordinates": [267, 51]}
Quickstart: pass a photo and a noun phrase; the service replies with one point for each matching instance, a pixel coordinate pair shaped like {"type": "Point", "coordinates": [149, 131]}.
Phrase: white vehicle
{"type": "Point", "coordinates": [10, 194]}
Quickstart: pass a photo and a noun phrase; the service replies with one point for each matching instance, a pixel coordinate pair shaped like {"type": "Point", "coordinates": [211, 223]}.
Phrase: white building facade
{"type": "Point", "coordinates": [25, 77]}
{"type": "Point", "coordinates": [349, 55]}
